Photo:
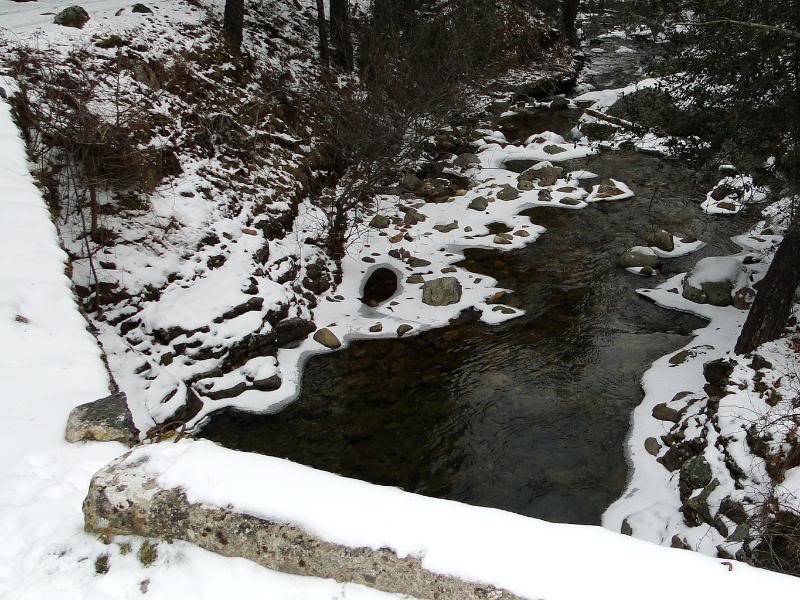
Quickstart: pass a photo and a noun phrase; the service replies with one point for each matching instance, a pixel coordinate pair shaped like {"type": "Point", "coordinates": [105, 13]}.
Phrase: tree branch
{"type": "Point", "coordinates": [764, 27]}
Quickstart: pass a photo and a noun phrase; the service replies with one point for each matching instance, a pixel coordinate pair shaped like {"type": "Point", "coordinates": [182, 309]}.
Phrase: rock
{"type": "Point", "coordinates": [418, 263]}
{"type": "Point", "coordinates": [608, 189]}
{"type": "Point", "coordinates": [415, 279]}
{"type": "Point", "coordinates": [639, 257]}
{"type": "Point", "coordinates": [502, 239]}
{"type": "Point", "coordinates": [413, 216]}
{"type": "Point", "coordinates": [467, 160]}
{"type": "Point", "coordinates": [559, 102]}
{"type": "Point", "coordinates": [718, 293]}
{"type": "Point", "coordinates": [480, 204]}
{"type": "Point", "coordinates": [128, 498]}
{"type": "Point", "coordinates": [141, 8]}
{"type": "Point", "coordinates": [695, 473]}
{"type": "Point", "coordinates": [449, 270]}
{"type": "Point", "coordinates": [740, 534]}
{"type": "Point", "coordinates": [718, 372]}
{"type": "Point", "coordinates": [403, 329]}
{"type": "Point", "coordinates": [569, 201]}
{"type": "Point", "coordinates": [743, 298]}
{"type": "Point", "coordinates": [733, 510]}
{"type": "Point", "coordinates": [379, 222]}
{"type": "Point", "coordinates": [377, 328]}
{"type": "Point", "coordinates": [662, 412]}
{"type": "Point", "coordinates": [508, 193]}
{"type": "Point", "coordinates": [410, 183]}
{"type": "Point", "coordinates": [598, 131]}
{"type": "Point", "coordinates": [662, 240]}
{"type": "Point", "coordinates": [327, 338]}
{"type": "Point", "coordinates": [518, 165]}
{"type": "Point", "coordinates": [72, 16]}
{"type": "Point", "coordinates": [445, 228]}
{"type": "Point", "coordinates": [268, 384]}
{"type": "Point", "coordinates": [546, 196]}
{"type": "Point", "coordinates": [695, 508]}
{"type": "Point", "coordinates": [652, 446]}
{"type": "Point", "coordinates": [678, 542]}
{"type": "Point", "coordinates": [525, 186]}
{"type": "Point", "coordinates": [441, 292]}
{"type": "Point", "coordinates": [545, 173]}
{"type": "Point", "coordinates": [105, 420]}
{"type": "Point", "coordinates": [625, 528]}
{"type": "Point", "coordinates": [498, 107]}
{"type": "Point", "coordinates": [112, 41]}
{"type": "Point", "coordinates": [552, 149]}
{"type": "Point", "coordinates": [293, 330]}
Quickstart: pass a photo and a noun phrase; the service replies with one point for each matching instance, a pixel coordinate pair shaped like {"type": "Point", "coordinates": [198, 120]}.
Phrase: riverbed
{"type": "Point", "coordinates": [529, 416]}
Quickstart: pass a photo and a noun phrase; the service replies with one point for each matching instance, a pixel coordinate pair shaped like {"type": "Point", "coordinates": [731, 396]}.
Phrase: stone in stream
{"type": "Point", "coordinates": [639, 256]}
{"type": "Point", "coordinates": [608, 189]}
{"type": "Point", "coordinates": [545, 173]}
{"type": "Point", "coordinates": [403, 329]}
{"type": "Point", "coordinates": [441, 292]}
{"type": "Point", "coordinates": [662, 240]}
{"type": "Point", "coordinates": [105, 420]}
{"type": "Point", "coordinates": [327, 338]}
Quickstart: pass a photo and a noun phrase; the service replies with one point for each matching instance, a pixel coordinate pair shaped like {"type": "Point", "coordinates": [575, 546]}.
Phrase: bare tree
{"type": "Point", "coordinates": [569, 16]}
{"type": "Point", "coordinates": [341, 34]}
{"type": "Point", "coordinates": [234, 21]}
{"type": "Point", "coordinates": [322, 29]}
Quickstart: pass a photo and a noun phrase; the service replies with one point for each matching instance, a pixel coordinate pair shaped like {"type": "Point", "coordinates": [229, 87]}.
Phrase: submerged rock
{"type": "Point", "coordinates": [441, 292]}
{"type": "Point", "coordinates": [105, 420]}
{"type": "Point", "coordinates": [639, 257]}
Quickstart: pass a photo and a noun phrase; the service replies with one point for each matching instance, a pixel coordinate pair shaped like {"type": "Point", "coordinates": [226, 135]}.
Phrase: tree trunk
{"type": "Point", "coordinates": [341, 34]}
{"type": "Point", "coordinates": [773, 304]}
{"type": "Point", "coordinates": [322, 29]}
{"type": "Point", "coordinates": [569, 15]}
{"type": "Point", "coordinates": [234, 22]}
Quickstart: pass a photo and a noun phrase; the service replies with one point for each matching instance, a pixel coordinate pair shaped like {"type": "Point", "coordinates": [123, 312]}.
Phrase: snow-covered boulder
{"type": "Point", "coordinates": [713, 280]}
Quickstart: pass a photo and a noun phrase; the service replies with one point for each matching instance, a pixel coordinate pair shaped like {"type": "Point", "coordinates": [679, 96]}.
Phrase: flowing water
{"type": "Point", "coordinates": [529, 416]}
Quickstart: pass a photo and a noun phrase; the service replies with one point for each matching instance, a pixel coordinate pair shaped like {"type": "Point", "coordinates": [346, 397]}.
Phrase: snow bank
{"type": "Point", "coordinates": [528, 557]}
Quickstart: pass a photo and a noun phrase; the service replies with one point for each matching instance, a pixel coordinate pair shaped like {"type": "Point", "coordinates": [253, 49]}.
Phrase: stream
{"type": "Point", "coordinates": [530, 416]}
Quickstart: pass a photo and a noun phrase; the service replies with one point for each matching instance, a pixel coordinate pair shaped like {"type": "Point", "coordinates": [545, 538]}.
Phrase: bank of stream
{"type": "Point", "coordinates": [529, 416]}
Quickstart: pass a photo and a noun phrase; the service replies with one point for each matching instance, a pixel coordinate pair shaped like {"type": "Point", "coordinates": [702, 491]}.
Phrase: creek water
{"type": "Point", "coordinates": [529, 416]}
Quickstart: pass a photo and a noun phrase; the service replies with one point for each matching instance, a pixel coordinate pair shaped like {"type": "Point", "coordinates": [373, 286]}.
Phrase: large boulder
{"type": "Point", "coordinates": [293, 330]}
{"type": "Point", "coordinates": [712, 280]}
{"type": "Point", "coordinates": [130, 497]}
{"type": "Point", "coordinates": [441, 292]}
{"type": "Point", "coordinates": [72, 16]}
{"type": "Point", "coordinates": [105, 420]}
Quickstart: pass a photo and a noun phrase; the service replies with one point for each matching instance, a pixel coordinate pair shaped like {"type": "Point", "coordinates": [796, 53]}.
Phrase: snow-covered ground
{"type": "Point", "coordinates": [52, 363]}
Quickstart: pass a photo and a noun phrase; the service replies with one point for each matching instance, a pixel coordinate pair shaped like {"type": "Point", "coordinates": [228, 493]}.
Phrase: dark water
{"type": "Point", "coordinates": [530, 416]}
